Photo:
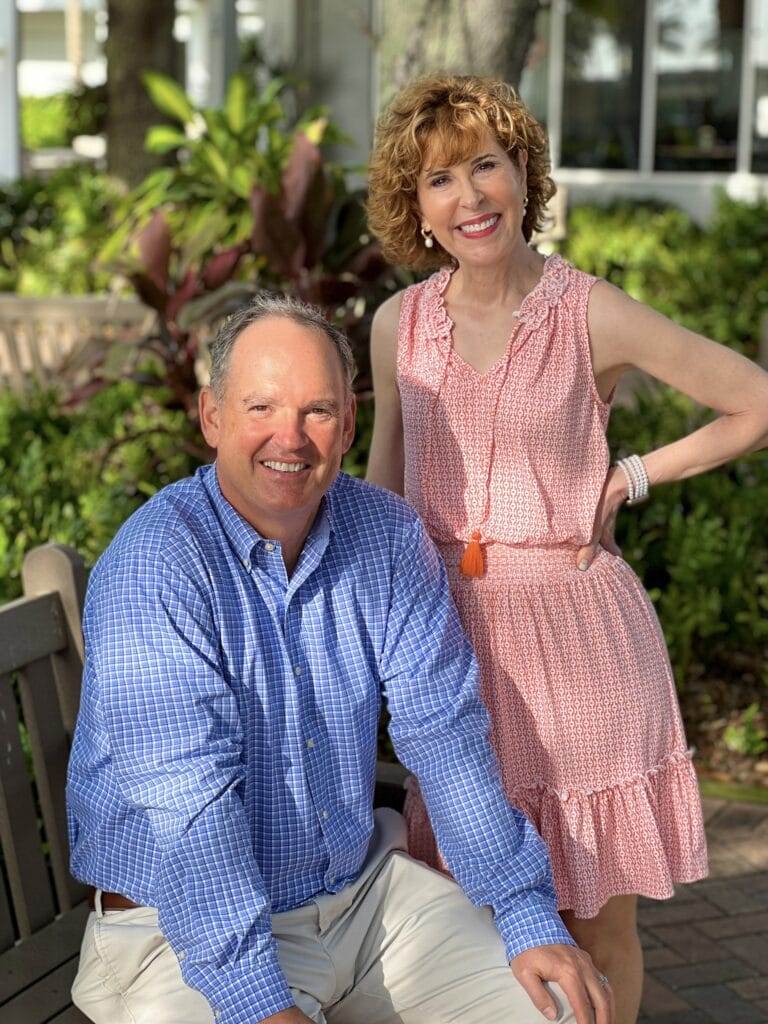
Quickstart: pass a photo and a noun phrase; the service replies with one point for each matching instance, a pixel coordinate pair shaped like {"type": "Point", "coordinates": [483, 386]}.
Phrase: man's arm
{"type": "Point", "coordinates": [439, 728]}
{"type": "Point", "coordinates": [175, 742]}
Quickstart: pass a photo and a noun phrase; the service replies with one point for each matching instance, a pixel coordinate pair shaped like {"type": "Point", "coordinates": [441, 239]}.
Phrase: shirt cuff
{"type": "Point", "coordinates": [245, 993]}
{"type": "Point", "coordinates": [531, 920]}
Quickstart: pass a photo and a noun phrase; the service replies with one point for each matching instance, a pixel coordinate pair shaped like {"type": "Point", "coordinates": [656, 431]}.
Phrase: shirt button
{"type": "Point", "coordinates": [310, 744]}
{"type": "Point", "coordinates": [324, 816]}
{"type": "Point", "coordinates": [297, 670]}
{"type": "Point", "coordinates": [181, 954]}
{"type": "Point", "coordinates": [269, 546]}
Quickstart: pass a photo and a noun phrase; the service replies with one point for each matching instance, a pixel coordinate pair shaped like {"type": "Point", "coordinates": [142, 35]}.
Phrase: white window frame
{"type": "Point", "coordinates": [648, 99]}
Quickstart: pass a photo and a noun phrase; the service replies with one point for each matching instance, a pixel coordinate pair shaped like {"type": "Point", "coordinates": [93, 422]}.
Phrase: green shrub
{"type": "Point", "coordinates": [76, 476]}
{"type": "Point", "coordinates": [713, 280]}
{"type": "Point", "coordinates": [51, 230]}
{"type": "Point", "coordinates": [700, 545]}
{"type": "Point", "coordinates": [45, 121]}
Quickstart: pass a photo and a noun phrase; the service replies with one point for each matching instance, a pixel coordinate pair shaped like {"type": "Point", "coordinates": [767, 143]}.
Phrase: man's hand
{"type": "Point", "coordinates": [292, 1015]}
{"type": "Point", "coordinates": [572, 969]}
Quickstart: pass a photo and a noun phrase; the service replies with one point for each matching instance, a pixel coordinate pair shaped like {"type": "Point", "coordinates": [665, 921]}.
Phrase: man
{"type": "Point", "coordinates": [239, 632]}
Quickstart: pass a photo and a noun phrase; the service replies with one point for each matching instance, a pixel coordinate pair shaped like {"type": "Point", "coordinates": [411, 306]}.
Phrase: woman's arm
{"type": "Point", "coordinates": [626, 333]}
{"type": "Point", "coordinates": [386, 459]}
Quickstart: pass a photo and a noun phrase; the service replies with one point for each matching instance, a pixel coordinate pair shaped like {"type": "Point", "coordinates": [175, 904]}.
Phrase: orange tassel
{"type": "Point", "coordinates": [472, 561]}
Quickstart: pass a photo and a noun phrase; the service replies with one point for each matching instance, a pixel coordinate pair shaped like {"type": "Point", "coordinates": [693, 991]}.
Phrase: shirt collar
{"type": "Point", "coordinates": [243, 537]}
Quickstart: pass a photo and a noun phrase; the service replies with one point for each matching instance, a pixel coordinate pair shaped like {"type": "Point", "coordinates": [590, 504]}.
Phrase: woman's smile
{"type": "Point", "coordinates": [479, 227]}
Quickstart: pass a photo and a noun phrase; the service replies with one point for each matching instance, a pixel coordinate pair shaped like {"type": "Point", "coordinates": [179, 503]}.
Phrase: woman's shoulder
{"type": "Point", "coordinates": [405, 304]}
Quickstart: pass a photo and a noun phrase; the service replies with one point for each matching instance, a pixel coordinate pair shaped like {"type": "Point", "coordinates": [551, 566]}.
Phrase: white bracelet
{"type": "Point", "coordinates": [636, 476]}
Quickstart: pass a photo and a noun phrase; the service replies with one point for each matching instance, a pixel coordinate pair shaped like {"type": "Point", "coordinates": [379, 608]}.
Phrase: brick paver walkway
{"type": "Point", "coordinates": [707, 949]}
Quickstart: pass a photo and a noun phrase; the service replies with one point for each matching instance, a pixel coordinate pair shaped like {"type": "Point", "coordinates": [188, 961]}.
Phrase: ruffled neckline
{"type": "Point", "coordinates": [534, 309]}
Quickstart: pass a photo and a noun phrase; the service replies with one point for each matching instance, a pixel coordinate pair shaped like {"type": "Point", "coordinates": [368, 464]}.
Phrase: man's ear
{"type": "Point", "coordinates": [209, 416]}
{"type": "Point", "coordinates": [350, 415]}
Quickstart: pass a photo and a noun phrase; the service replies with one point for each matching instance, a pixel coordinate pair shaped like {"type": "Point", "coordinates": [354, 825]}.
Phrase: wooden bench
{"type": "Point", "coordinates": [42, 908]}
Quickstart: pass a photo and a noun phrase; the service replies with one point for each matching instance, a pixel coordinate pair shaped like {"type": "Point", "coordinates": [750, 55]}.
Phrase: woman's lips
{"type": "Point", "coordinates": [480, 228]}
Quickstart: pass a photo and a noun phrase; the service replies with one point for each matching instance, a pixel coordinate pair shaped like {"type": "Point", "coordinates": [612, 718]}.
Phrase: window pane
{"type": "Point", "coordinates": [760, 50]}
{"type": "Point", "coordinates": [602, 85]}
{"type": "Point", "coordinates": [698, 61]}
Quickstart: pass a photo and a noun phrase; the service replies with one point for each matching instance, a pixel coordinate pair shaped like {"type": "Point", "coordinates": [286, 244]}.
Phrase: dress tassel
{"type": "Point", "coordinates": [472, 561]}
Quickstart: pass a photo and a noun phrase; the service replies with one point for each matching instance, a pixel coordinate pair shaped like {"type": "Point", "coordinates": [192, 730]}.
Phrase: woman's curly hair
{"type": "Point", "coordinates": [447, 114]}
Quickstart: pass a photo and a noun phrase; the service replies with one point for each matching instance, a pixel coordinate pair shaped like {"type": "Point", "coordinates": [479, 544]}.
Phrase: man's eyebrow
{"type": "Point", "coordinates": [258, 397]}
{"type": "Point", "coordinates": [254, 396]}
{"type": "Point", "coordinates": [329, 403]}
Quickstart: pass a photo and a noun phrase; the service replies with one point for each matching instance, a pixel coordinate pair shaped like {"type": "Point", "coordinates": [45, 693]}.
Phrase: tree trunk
{"type": "Point", "coordinates": [478, 37]}
{"type": "Point", "coordinates": [140, 38]}
{"type": "Point", "coordinates": [499, 35]}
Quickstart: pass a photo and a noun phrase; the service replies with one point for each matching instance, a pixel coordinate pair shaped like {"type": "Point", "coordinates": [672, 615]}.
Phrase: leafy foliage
{"type": "Point", "coordinates": [249, 197]}
{"type": "Point", "coordinates": [51, 229]}
{"type": "Point", "coordinates": [713, 279]}
{"type": "Point", "coordinates": [700, 546]}
{"type": "Point", "coordinates": [748, 734]}
{"type": "Point", "coordinates": [44, 121]}
{"type": "Point", "coordinates": [56, 119]}
{"type": "Point", "coordinates": [75, 476]}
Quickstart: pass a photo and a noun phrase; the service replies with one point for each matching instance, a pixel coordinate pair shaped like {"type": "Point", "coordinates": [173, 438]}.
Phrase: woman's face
{"type": "Point", "coordinates": [475, 208]}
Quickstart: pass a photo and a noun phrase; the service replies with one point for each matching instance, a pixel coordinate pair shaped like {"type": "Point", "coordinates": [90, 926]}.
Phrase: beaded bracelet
{"type": "Point", "coordinates": [636, 475]}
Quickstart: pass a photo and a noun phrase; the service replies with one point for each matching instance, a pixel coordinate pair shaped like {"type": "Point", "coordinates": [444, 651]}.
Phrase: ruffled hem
{"type": "Point", "coordinates": [639, 836]}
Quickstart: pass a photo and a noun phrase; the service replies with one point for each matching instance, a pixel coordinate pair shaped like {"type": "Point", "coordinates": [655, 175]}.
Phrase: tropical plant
{"type": "Point", "coordinates": [249, 197]}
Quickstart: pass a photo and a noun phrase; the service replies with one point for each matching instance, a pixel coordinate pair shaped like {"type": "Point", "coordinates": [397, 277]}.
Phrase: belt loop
{"type": "Point", "coordinates": [98, 910]}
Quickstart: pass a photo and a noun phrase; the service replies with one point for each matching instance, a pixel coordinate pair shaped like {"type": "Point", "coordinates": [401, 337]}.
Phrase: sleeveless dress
{"type": "Point", "coordinates": [574, 669]}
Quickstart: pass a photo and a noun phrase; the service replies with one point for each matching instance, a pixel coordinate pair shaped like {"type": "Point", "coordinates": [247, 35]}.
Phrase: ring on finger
{"type": "Point", "coordinates": [603, 981]}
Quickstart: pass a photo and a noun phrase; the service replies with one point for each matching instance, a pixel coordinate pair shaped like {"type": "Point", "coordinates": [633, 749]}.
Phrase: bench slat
{"type": "Point", "coordinates": [7, 928]}
{"type": "Point", "coordinates": [69, 1016]}
{"type": "Point", "coordinates": [50, 753]}
{"type": "Point", "coordinates": [19, 833]}
{"type": "Point", "coordinates": [47, 997]}
{"type": "Point", "coordinates": [37, 956]}
{"type": "Point", "coordinates": [30, 628]}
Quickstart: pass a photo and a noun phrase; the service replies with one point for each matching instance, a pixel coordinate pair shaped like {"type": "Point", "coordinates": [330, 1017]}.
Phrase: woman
{"type": "Point", "coordinates": [493, 382]}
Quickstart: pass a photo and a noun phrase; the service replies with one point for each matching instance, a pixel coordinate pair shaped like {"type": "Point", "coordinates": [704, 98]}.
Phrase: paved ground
{"type": "Point", "coordinates": [707, 949]}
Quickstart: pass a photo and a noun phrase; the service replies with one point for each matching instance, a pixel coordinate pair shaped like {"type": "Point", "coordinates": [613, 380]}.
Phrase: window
{"type": "Point", "coordinates": [698, 63]}
{"type": "Point", "coordinates": [602, 85]}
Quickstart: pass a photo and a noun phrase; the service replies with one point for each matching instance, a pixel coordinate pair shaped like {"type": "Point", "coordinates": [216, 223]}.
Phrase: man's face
{"type": "Point", "coordinates": [282, 425]}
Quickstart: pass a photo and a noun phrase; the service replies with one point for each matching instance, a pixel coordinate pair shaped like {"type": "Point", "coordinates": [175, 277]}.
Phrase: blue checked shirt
{"type": "Point", "coordinates": [224, 758]}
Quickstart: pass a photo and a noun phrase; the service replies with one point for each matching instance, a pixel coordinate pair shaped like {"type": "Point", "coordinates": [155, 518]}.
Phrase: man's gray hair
{"type": "Point", "coordinates": [263, 306]}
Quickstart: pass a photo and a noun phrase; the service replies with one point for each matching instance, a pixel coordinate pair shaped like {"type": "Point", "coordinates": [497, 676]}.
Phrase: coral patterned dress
{"type": "Point", "coordinates": [574, 669]}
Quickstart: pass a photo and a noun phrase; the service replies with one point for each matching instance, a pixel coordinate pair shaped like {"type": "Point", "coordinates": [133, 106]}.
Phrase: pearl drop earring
{"type": "Point", "coordinates": [426, 234]}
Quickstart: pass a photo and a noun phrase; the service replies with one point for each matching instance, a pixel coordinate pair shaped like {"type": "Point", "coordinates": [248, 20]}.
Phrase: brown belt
{"type": "Point", "coordinates": [111, 901]}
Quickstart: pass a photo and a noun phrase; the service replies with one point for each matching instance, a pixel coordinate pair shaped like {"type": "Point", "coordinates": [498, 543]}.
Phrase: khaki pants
{"type": "Point", "coordinates": [401, 945]}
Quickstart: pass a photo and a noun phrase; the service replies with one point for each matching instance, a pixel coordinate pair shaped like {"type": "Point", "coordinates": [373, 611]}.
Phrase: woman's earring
{"type": "Point", "coordinates": [525, 203]}
{"type": "Point", "coordinates": [426, 234]}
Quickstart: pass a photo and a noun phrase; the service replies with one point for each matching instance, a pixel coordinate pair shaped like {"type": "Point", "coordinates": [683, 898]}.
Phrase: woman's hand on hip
{"type": "Point", "coordinates": [613, 496]}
